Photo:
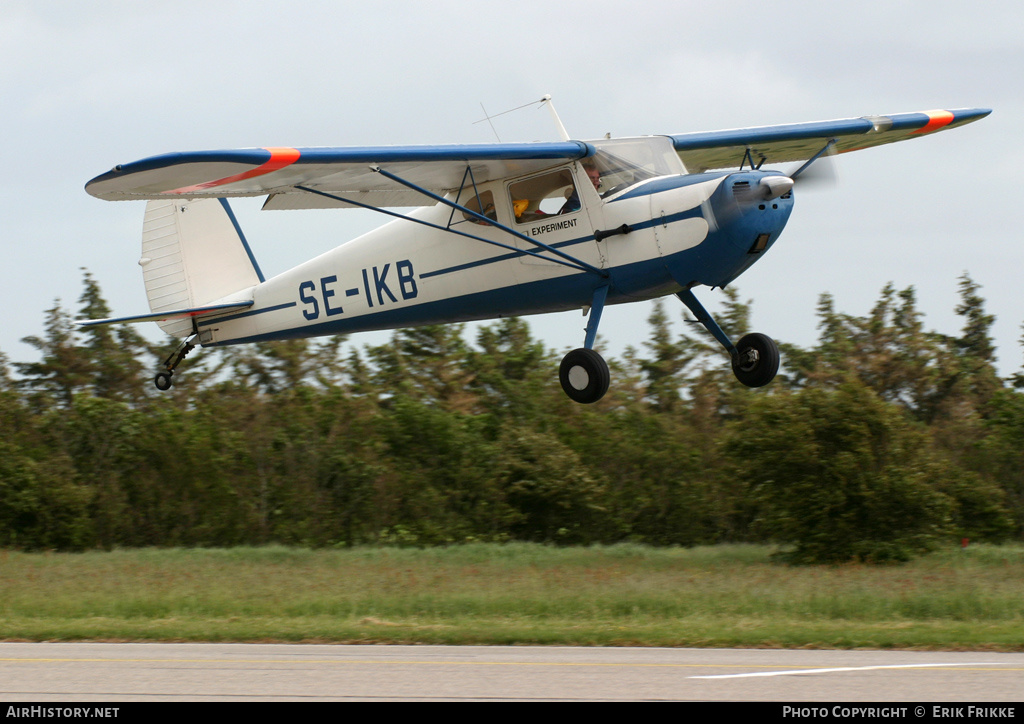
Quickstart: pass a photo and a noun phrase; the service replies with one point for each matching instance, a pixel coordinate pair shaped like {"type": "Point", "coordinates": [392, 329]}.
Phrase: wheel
{"type": "Point", "coordinates": [163, 381]}
{"type": "Point", "coordinates": [757, 360]}
{"type": "Point", "coordinates": [584, 375]}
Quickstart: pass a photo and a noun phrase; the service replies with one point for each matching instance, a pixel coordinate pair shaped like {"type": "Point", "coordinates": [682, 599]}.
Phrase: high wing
{"type": "Point", "coordinates": [322, 177]}
{"type": "Point", "coordinates": [801, 141]}
{"type": "Point", "coordinates": [279, 172]}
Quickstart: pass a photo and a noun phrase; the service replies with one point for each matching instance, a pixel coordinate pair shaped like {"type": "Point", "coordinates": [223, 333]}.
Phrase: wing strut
{"type": "Point", "coordinates": [572, 261]}
{"type": "Point", "coordinates": [472, 180]}
{"type": "Point", "coordinates": [747, 157]}
{"type": "Point", "coordinates": [828, 147]}
{"type": "Point", "coordinates": [582, 266]}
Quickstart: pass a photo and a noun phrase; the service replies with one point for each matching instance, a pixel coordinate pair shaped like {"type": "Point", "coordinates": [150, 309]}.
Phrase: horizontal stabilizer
{"type": "Point", "coordinates": [208, 310]}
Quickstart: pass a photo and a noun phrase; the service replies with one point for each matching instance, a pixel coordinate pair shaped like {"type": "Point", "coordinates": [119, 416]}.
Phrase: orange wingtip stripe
{"type": "Point", "coordinates": [279, 158]}
{"type": "Point", "coordinates": [936, 120]}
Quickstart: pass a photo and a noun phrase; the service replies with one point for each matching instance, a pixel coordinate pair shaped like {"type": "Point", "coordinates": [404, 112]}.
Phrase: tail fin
{"type": "Point", "coordinates": [193, 253]}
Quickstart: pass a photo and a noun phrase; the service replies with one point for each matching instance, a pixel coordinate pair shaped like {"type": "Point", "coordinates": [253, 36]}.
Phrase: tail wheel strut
{"type": "Point", "coordinates": [163, 379]}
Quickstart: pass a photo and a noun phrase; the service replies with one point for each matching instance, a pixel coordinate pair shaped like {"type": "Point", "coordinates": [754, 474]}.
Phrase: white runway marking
{"type": "Point", "coordinates": [799, 672]}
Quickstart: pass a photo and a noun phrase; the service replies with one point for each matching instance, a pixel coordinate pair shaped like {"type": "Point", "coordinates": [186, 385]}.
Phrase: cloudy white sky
{"type": "Point", "coordinates": [89, 85]}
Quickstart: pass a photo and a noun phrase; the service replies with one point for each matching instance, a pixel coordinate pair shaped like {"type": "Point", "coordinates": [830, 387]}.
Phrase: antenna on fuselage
{"type": "Point", "coordinates": [562, 133]}
{"type": "Point", "coordinates": [488, 119]}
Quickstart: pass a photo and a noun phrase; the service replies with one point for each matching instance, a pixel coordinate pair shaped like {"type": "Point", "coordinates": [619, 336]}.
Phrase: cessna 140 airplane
{"type": "Point", "coordinates": [502, 229]}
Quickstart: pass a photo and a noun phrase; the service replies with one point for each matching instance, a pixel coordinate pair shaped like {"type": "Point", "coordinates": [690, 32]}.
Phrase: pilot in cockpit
{"type": "Point", "coordinates": [573, 202]}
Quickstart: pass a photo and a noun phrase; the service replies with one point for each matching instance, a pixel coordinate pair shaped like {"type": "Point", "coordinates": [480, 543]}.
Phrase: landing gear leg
{"type": "Point", "coordinates": [584, 373]}
{"type": "Point", "coordinates": [755, 359]}
{"type": "Point", "coordinates": [163, 379]}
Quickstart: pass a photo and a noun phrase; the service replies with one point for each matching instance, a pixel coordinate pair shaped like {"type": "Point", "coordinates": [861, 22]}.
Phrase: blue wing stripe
{"type": "Point", "coordinates": [568, 150]}
{"type": "Point", "coordinates": [817, 129]}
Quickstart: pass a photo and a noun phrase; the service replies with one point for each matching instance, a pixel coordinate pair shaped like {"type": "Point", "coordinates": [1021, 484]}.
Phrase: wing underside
{"type": "Point", "coordinates": [285, 173]}
{"type": "Point", "coordinates": [800, 141]}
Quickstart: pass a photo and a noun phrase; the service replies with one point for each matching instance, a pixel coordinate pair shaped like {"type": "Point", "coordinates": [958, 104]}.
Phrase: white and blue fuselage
{"type": "Point", "coordinates": [669, 232]}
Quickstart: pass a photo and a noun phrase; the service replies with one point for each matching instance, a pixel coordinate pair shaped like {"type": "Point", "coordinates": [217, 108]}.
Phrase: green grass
{"type": "Point", "coordinates": [516, 594]}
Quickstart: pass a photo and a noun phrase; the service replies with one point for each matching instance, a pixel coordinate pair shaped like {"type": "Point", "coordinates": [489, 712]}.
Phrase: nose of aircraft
{"type": "Point", "coordinates": [746, 214]}
{"type": "Point", "coordinates": [743, 199]}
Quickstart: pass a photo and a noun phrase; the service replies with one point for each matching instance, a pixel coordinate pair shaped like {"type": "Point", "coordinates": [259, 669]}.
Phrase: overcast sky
{"type": "Point", "coordinates": [89, 85]}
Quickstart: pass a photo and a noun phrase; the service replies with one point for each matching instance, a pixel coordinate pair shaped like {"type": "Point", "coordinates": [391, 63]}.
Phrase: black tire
{"type": "Point", "coordinates": [758, 360]}
{"type": "Point", "coordinates": [584, 376]}
{"type": "Point", "coordinates": [163, 381]}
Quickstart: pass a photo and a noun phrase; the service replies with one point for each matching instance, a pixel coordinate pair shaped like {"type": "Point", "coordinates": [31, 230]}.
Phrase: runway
{"type": "Point", "coordinates": [89, 672]}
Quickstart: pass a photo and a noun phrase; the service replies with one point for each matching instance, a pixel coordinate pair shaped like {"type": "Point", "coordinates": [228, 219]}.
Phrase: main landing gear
{"type": "Point", "coordinates": [755, 358]}
{"type": "Point", "coordinates": [584, 373]}
{"type": "Point", "coordinates": [163, 379]}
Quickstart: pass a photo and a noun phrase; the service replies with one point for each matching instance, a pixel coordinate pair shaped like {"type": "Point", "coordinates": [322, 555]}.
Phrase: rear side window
{"type": "Point", "coordinates": [483, 205]}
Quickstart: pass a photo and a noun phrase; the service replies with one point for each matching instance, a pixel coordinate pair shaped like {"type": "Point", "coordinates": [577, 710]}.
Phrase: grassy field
{"type": "Point", "coordinates": [515, 594]}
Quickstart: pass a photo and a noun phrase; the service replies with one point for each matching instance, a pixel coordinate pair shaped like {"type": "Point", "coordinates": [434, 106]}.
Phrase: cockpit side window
{"type": "Point", "coordinates": [541, 196]}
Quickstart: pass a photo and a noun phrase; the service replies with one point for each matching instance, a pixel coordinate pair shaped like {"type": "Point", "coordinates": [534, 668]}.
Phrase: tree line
{"type": "Point", "coordinates": [878, 443]}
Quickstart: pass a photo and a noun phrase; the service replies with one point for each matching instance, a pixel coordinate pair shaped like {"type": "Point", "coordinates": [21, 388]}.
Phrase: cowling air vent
{"type": "Point", "coordinates": [741, 190]}
{"type": "Point", "coordinates": [760, 244]}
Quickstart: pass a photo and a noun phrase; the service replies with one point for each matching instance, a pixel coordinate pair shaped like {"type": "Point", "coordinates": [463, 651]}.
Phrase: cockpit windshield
{"type": "Point", "coordinates": [624, 162]}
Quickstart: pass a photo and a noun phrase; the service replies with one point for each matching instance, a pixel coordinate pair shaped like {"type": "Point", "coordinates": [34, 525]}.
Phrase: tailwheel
{"type": "Point", "coordinates": [584, 376]}
{"type": "Point", "coordinates": [756, 361]}
{"type": "Point", "coordinates": [163, 379]}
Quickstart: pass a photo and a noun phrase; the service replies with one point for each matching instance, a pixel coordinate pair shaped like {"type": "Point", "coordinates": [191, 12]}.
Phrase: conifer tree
{"type": "Point", "coordinates": [669, 359]}
{"type": "Point", "coordinates": [64, 367]}
{"type": "Point", "coordinates": [428, 364]}
{"type": "Point", "coordinates": [511, 372]}
{"type": "Point", "coordinates": [974, 347]}
{"type": "Point", "coordinates": [113, 351]}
